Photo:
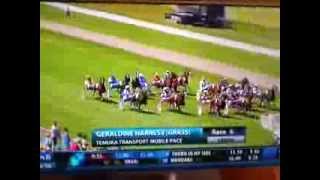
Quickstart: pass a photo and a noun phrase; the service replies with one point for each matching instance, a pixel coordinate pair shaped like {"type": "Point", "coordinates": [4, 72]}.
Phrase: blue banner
{"type": "Point", "coordinates": [161, 136]}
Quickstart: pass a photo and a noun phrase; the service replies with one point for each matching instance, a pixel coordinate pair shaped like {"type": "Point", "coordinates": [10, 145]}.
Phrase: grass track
{"type": "Point", "coordinates": [238, 58]}
{"type": "Point", "coordinates": [260, 26]}
{"type": "Point", "coordinates": [64, 63]}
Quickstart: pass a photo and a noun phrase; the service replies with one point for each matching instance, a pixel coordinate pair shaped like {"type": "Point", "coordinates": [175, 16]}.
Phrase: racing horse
{"type": "Point", "coordinates": [184, 80]}
{"type": "Point", "coordinates": [267, 96]}
{"type": "Point", "coordinates": [142, 84]}
{"type": "Point", "coordinates": [157, 82]}
{"type": "Point", "coordinates": [241, 104]}
{"type": "Point", "coordinates": [204, 98]}
{"type": "Point", "coordinates": [139, 97]}
{"type": "Point", "coordinates": [90, 87]}
{"type": "Point", "coordinates": [175, 101]}
{"type": "Point", "coordinates": [172, 82]}
{"type": "Point", "coordinates": [101, 89]}
{"type": "Point", "coordinates": [219, 103]}
{"type": "Point", "coordinates": [178, 100]}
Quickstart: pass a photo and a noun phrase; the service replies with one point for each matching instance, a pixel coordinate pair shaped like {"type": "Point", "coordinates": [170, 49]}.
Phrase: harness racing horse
{"type": "Point", "coordinates": [136, 99]}
{"type": "Point", "coordinates": [267, 96]}
{"type": "Point", "coordinates": [218, 104]}
{"type": "Point", "coordinates": [89, 88]}
{"type": "Point", "coordinates": [138, 83]}
{"type": "Point", "coordinates": [178, 100]}
{"type": "Point", "coordinates": [101, 89]}
{"type": "Point", "coordinates": [175, 101]}
{"type": "Point", "coordinates": [183, 80]}
{"type": "Point", "coordinates": [241, 103]}
{"type": "Point", "coordinates": [204, 99]}
{"type": "Point", "coordinates": [171, 81]}
{"type": "Point", "coordinates": [140, 98]}
{"type": "Point", "coordinates": [126, 80]}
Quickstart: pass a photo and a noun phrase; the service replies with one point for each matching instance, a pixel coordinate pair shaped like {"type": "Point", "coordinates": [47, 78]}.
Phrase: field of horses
{"type": "Point", "coordinates": [64, 63]}
{"type": "Point", "coordinates": [245, 60]}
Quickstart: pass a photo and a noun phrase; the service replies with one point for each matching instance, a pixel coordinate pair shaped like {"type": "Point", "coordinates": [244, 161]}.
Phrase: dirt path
{"type": "Point", "coordinates": [171, 30]}
{"type": "Point", "coordinates": [193, 62]}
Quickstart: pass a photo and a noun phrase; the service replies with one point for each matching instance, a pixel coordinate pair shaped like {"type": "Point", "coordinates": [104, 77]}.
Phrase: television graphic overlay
{"type": "Point", "coordinates": [150, 87]}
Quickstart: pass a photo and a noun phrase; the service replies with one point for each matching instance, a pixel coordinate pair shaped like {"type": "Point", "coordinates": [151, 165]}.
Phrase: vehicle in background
{"type": "Point", "coordinates": [208, 16]}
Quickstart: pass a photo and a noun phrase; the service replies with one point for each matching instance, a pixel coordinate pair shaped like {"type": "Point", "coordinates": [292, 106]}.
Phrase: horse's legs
{"type": "Point", "coordinates": [217, 111]}
{"type": "Point", "coordinates": [199, 109]}
{"type": "Point", "coordinates": [121, 104]}
{"type": "Point", "coordinates": [159, 107]}
{"type": "Point", "coordinates": [226, 109]}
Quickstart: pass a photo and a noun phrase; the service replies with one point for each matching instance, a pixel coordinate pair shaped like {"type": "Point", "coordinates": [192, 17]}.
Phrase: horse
{"type": "Point", "coordinates": [183, 80]}
{"type": "Point", "coordinates": [89, 88]}
{"type": "Point", "coordinates": [178, 100]}
{"type": "Point", "coordinates": [204, 100]}
{"type": "Point", "coordinates": [126, 80]}
{"type": "Point", "coordinates": [171, 81]}
{"type": "Point", "coordinates": [241, 103]}
{"type": "Point", "coordinates": [168, 100]}
{"type": "Point", "coordinates": [138, 98]}
{"type": "Point", "coordinates": [101, 89]}
{"type": "Point", "coordinates": [267, 96]}
{"type": "Point", "coordinates": [135, 83]}
{"type": "Point", "coordinates": [175, 101]}
{"type": "Point", "coordinates": [244, 82]}
{"type": "Point", "coordinates": [218, 104]}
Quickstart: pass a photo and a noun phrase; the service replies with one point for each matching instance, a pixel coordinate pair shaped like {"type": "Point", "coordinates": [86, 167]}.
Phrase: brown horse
{"type": "Point", "coordinates": [175, 101]}
{"type": "Point", "coordinates": [101, 89]}
{"type": "Point", "coordinates": [178, 100]}
{"type": "Point", "coordinates": [183, 80]}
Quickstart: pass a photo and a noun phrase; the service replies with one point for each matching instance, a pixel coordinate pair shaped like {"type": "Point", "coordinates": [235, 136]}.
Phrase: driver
{"type": "Point", "coordinates": [224, 82]}
{"type": "Point", "coordinates": [126, 93]}
{"type": "Point", "coordinates": [166, 93]}
{"type": "Point", "coordinates": [204, 85]}
{"type": "Point", "coordinates": [167, 75]}
{"type": "Point", "coordinates": [113, 81]}
{"type": "Point", "coordinates": [142, 80]}
{"type": "Point", "coordinates": [205, 95]}
{"type": "Point", "coordinates": [88, 83]}
{"type": "Point", "coordinates": [156, 80]}
{"type": "Point", "coordinates": [156, 77]}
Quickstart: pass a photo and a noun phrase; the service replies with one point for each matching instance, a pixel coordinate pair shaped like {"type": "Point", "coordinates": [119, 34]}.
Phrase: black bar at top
{"type": "Point", "coordinates": [251, 3]}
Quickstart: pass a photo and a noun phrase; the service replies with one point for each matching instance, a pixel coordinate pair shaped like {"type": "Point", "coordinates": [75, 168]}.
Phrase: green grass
{"type": "Point", "coordinates": [64, 63]}
{"type": "Point", "coordinates": [260, 26]}
{"type": "Point", "coordinates": [237, 58]}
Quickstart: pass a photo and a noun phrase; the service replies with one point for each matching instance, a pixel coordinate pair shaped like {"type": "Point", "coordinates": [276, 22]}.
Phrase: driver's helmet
{"type": "Point", "coordinates": [87, 77]}
{"type": "Point", "coordinates": [140, 75]}
{"type": "Point", "coordinates": [127, 87]}
{"type": "Point", "coordinates": [166, 89]}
